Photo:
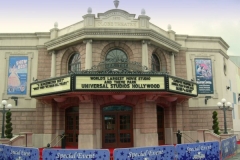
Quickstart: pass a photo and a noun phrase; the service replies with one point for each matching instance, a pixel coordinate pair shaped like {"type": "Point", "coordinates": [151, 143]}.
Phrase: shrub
{"type": "Point", "coordinates": [215, 126]}
{"type": "Point", "coordinates": [8, 126]}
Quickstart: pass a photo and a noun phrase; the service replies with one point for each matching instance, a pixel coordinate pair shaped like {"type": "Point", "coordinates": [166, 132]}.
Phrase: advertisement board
{"type": "Point", "coordinates": [204, 76]}
{"type": "Point", "coordinates": [17, 75]}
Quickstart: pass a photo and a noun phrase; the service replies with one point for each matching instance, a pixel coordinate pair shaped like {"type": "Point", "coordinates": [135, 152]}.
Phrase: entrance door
{"type": "Point", "coordinates": [117, 127]}
{"type": "Point", "coordinates": [160, 125]}
{"type": "Point", "coordinates": [72, 126]}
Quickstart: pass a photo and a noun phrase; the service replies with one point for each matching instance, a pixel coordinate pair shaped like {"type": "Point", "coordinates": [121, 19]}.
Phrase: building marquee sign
{"type": "Point", "coordinates": [51, 86]}
{"type": "Point", "coordinates": [182, 86]}
{"type": "Point", "coordinates": [110, 82]}
{"type": "Point", "coordinates": [99, 83]}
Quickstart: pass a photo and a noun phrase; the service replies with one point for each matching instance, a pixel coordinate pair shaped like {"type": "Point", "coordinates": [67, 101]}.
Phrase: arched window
{"type": "Point", "coordinates": [155, 63]}
{"type": "Point", "coordinates": [117, 55]}
{"type": "Point", "coordinates": [74, 63]}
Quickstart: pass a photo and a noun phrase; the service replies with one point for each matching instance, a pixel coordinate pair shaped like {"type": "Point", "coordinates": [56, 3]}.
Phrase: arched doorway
{"type": "Point", "coordinates": [117, 129]}
{"type": "Point", "coordinates": [160, 125]}
{"type": "Point", "coordinates": [72, 126]}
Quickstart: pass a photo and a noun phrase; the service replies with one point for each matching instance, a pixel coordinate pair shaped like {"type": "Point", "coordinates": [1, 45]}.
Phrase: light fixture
{"type": "Point", "coordinates": [118, 96]}
{"type": "Point", "coordinates": [225, 107]}
{"type": "Point", "coordinates": [60, 99]}
{"type": "Point", "coordinates": [171, 99]}
{"type": "Point", "coordinates": [16, 100]}
{"type": "Point", "coordinates": [207, 98]}
{"type": "Point", "coordinates": [4, 103]}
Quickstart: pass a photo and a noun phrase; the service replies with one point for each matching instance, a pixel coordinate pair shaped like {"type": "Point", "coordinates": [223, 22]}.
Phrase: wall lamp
{"type": "Point", "coordinates": [16, 100]}
{"type": "Point", "coordinates": [228, 87]}
{"type": "Point", "coordinates": [207, 98]}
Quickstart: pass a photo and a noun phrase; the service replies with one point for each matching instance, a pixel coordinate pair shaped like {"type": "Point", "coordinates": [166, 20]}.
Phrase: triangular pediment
{"type": "Point", "coordinates": [116, 12]}
{"type": "Point", "coordinates": [116, 18]}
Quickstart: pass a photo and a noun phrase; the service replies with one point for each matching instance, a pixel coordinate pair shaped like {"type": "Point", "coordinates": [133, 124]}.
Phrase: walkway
{"type": "Point", "coordinates": [237, 156]}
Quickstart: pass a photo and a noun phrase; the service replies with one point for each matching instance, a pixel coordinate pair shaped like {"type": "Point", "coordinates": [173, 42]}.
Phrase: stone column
{"type": "Point", "coordinates": [145, 53]}
{"type": "Point", "coordinates": [88, 60]}
{"type": "Point", "coordinates": [145, 133]}
{"type": "Point", "coordinates": [53, 64]}
{"type": "Point", "coordinates": [173, 64]}
{"type": "Point", "coordinates": [87, 132]}
{"type": "Point", "coordinates": [54, 31]}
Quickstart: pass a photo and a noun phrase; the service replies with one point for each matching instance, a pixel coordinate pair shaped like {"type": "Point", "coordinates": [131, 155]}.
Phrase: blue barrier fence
{"type": "Point", "coordinates": [193, 151]}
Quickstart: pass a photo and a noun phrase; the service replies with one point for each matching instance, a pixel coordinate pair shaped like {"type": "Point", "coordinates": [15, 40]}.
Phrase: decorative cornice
{"type": "Point", "coordinates": [208, 50]}
{"type": "Point", "coordinates": [18, 48]}
{"type": "Point", "coordinates": [13, 109]}
{"type": "Point", "coordinates": [203, 39]}
{"type": "Point", "coordinates": [203, 108]}
{"type": "Point", "coordinates": [22, 47]}
{"type": "Point", "coordinates": [25, 35]}
{"type": "Point", "coordinates": [109, 33]}
{"type": "Point", "coordinates": [87, 41]}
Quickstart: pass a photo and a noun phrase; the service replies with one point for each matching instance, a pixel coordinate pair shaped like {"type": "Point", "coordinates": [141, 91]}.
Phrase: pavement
{"type": "Point", "coordinates": [236, 156]}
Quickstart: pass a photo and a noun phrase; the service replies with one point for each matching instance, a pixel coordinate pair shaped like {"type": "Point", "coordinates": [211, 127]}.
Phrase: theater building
{"type": "Point", "coordinates": [113, 80]}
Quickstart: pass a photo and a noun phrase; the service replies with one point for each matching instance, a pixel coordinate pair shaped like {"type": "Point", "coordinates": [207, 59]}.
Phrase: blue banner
{"type": "Point", "coordinates": [146, 153]}
{"type": "Point", "coordinates": [1, 151]}
{"type": "Point", "coordinates": [203, 151]}
{"type": "Point", "coordinates": [23, 153]}
{"type": "Point", "coordinates": [228, 146]}
{"type": "Point", "coordinates": [204, 77]}
{"type": "Point", "coordinates": [234, 142]}
{"type": "Point", "coordinates": [17, 75]}
{"type": "Point", "coordinates": [6, 152]}
{"type": "Point", "coordinates": [66, 154]}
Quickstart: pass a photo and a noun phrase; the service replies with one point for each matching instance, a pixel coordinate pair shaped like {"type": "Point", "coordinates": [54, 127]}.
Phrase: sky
{"type": "Point", "coordinates": [220, 18]}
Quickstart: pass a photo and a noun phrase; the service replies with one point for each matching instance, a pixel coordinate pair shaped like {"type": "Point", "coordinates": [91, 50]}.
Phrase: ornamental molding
{"type": "Point", "coordinates": [22, 47]}
{"type": "Point", "coordinates": [207, 50]}
{"type": "Point", "coordinates": [103, 33]}
{"type": "Point", "coordinates": [203, 39]}
{"type": "Point", "coordinates": [116, 12]}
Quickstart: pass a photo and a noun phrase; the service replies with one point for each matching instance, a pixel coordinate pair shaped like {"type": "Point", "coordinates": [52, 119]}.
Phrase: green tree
{"type": "Point", "coordinates": [215, 126]}
{"type": "Point", "coordinates": [8, 126]}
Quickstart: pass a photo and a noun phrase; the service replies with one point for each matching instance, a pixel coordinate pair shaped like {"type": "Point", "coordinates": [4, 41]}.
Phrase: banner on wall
{"type": "Point", "coordinates": [17, 75]}
{"type": "Point", "coordinates": [207, 151]}
{"type": "Point", "coordinates": [67, 154]}
{"type": "Point", "coordinates": [146, 153]}
{"type": "Point", "coordinates": [204, 77]}
{"type": "Point", "coordinates": [228, 146]}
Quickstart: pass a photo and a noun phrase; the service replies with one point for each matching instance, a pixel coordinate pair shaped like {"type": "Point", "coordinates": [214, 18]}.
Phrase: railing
{"type": "Point", "coordinates": [188, 138]}
{"type": "Point", "coordinates": [62, 136]}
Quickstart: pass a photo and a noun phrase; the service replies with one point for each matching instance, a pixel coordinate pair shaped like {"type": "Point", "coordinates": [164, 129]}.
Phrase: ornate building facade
{"type": "Point", "coordinates": [113, 80]}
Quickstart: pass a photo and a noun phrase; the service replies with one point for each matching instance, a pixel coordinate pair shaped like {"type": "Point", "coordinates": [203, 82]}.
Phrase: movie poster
{"type": "Point", "coordinates": [17, 75]}
{"type": "Point", "coordinates": [204, 78]}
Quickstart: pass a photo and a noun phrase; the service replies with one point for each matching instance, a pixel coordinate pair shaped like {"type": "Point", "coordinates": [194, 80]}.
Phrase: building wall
{"type": "Point", "coordinates": [46, 118]}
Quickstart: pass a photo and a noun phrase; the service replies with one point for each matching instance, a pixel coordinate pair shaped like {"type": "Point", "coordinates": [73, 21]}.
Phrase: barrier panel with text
{"type": "Point", "coordinates": [228, 146]}
{"type": "Point", "coordinates": [6, 152]}
{"type": "Point", "coordinates": [206, 151]}
{"type": "Point", "coordinates": [66, 154]}
{"type": "Point", "coordinates": [146, 153]}
{"type": "Point", "coordinates": [1, 151]}
{"type": "Point", "coordinates": [13, 152]}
